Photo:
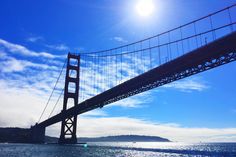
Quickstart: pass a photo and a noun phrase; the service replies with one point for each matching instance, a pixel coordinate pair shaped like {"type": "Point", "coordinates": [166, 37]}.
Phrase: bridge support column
{"type": "Point", "coordinates": [37, 134]}
{"type": "Point", "coordinates": [68, 125]}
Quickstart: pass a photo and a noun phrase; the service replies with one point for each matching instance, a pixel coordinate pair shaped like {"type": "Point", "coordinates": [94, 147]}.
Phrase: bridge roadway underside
{"type": "Point", "coordinates": [214, 54]}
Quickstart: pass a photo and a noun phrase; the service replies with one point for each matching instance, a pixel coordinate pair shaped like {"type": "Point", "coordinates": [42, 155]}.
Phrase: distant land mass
{"type": "Point", "coordinates": [22, 135]}
{"type": "Point", "coordinates": [14, 135]}
{"type": "Point", "coordinates": [125, 138]}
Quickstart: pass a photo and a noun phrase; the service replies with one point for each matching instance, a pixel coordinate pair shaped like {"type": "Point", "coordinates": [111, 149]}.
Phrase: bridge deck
{"type": "Point", "coordinates": [214, 54]}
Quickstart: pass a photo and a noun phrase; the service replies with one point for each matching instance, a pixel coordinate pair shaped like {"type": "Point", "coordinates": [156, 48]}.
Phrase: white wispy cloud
{"type": "Point", "coordinates": [120, 39]}
{"type": "Point", "coordinates": [2, 54]}
{"type": "Point", "coordinates": [95, 113]}
{"type": "Point", "coordinates": [80, 49]}
{"type": "Point", "coordinates": [139, 101]}
{"type": "Point", "coordinates": [34, 39]}
{"type": "Point", "coordinates": [11, 64]}
{"type": "Point", "coordinates": [26, 108]}
{"type": "Point", "coordinates": [21, 50]}
{"type": "Point", "coordinates": [97, 127]}
{"type": "Point", "coordinates": [188, 85]}
{"type": "Point", "coordinates": [59, 47]}
{"type": "Point", "coordinates": [32, 91]}
{"type": "Point", "coordinates": [25, 104]}
{"type": "Point", "coordinates": [30, 77]}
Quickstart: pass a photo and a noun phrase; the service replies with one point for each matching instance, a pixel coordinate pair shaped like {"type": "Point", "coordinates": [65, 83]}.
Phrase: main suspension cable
{"type": "Point", "coordinates": [58, 99]}
{"type": "Point", "coordinates": [52, 90]}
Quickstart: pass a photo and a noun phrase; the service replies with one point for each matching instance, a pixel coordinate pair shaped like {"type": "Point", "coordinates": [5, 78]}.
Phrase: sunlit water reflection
{"type": "Point", "coordinates": [119, 149]}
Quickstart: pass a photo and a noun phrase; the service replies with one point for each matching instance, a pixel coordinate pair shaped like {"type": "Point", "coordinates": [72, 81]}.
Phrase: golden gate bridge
{"type": "Point", "coordinates": [96, 79]}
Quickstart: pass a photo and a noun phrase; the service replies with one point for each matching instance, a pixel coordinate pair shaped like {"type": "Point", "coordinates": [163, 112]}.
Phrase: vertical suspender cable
{"type": "Point", "coordinates": [212, 28]}
{"type": "Point", "coordinates": [195, 31]}
{"type": "Point", "coordinates": [150, 54]}
{"type": "Point", "coordinates": [116, 70]}
{"type": "Point", "coordinates": [93, 75]}
{"type": "Point", "coordinates": [230, 20]}
{"type": "Point", "coordinates": [141, 58]}
{"type": "Point", "coordinates": [159, 49]}
{"type": "Point", "coordinates": [121, 71]}
{"type": "Point", "coordinates": [181, 33]}
{"type": "Point", "coordinates": [134, 60]}
{"type": "Point", "coordinates": [99, 74]}
{"type": "Point", "coordinates": [170, 45]}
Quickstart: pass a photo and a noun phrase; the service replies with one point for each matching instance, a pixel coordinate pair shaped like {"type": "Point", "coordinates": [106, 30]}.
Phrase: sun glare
{"type": "Point", "coordinates": [145, 7]}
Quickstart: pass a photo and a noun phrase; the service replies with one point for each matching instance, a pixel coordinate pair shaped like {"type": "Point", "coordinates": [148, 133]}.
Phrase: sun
{"type": "Point", "coordinates": [145, 7]}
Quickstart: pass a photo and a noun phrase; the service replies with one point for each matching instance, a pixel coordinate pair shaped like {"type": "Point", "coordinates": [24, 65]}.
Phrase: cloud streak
{"type": "Point", "coordinates": [21, 50]}
{"type": "Point", "coordinates": [139, 101]}
{"type": "Point", "coordinates": [188, 85]}
{"type": "Point", "coordinates": [97, 127]}
{"type": "Point", "coordinates": [34, 39]}
{"type": "Point", "coordinates": [59, 47]}
{"type": "Point", "coordinates": [96, 123]}
{"type": "Point", "coordinates": [11, 64]}
{"type": "Point", "coordinates": [120, 39]}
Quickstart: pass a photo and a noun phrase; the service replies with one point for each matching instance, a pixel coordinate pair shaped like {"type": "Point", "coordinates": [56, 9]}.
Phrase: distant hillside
{"type": "Point", "coordinates": [14, 135]}
{"type": "Point", "coordinates": [125, 138]}
{"type": "Point", "coordinates": [20, 135]}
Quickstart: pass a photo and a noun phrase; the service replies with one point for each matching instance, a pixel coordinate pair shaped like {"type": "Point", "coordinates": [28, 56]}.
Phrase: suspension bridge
{"type": "Point", "coordinates": [96, 79]}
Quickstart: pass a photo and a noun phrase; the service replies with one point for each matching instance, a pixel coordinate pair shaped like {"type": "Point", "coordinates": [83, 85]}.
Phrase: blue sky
{"type": "Point", "coordinates": [35, 37]}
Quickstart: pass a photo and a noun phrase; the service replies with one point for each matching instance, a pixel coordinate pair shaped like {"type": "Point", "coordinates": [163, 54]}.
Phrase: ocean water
{"type": "Point", "coordinates": [119, 149]}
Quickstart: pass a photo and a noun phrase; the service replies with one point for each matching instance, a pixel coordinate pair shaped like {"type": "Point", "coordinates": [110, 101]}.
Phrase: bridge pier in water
{"type": "Point", "coordinates": [37, 134]}
{"type": "Point", "coordinates": [68, 125]}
